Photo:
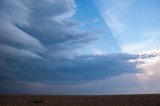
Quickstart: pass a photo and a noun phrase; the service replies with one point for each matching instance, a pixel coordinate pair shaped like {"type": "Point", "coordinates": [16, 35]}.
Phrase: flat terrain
{"type": "Point", "coordinates": [110, 100]}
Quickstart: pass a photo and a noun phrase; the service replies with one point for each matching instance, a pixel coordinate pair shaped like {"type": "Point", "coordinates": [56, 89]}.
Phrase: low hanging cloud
{"type": "Point", "coordinates": [78, 69]}
{"type": "Point", "coordinates": [38, 43]}
{"type": "Point", "coordinates": [32, 75]}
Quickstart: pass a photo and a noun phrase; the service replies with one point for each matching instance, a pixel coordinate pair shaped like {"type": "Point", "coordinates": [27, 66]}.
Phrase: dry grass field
{"type": "Point", "coordinates": [110, 100]}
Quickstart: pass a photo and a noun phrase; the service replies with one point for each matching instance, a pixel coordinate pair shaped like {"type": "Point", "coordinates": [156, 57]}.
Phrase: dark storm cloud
{"type": "Point", "coordinates": [38, 39]}
{"type": "Point", "coordinates": [32, 74]}
{"type": "Point", "coordinates": [78, 69]}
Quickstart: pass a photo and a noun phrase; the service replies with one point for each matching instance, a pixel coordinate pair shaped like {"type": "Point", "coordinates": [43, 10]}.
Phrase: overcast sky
{"type": "Point", "coordinates": [79, 46]}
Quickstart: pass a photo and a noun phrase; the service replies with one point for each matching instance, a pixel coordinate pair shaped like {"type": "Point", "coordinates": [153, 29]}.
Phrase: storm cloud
{"type": "Point", "coordinates": [38, 43]}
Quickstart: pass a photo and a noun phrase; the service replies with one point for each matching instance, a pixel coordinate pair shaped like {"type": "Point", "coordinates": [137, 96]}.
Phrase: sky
{"type": "Point", "coordinates": [79, 47]}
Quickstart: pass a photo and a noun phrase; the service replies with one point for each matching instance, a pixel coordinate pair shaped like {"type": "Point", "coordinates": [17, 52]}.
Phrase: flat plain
{"type": "Point", "coordinates": [66, 100]}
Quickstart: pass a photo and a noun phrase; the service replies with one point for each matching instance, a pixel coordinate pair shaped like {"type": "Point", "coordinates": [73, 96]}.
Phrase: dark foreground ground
{"type": "Point", "coordinates": [111, 100]}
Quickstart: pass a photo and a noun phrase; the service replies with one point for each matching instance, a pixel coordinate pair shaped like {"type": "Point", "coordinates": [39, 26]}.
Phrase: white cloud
{"type": "Point", "coordinates": [137, 47]}
{"type": "Point", "coordinates": [150, 65]}
{"type": "Point", "coordinates": [112, 13]}
{"type": "Point", "coordinates": [151, 72]}
{"type": "Point", "coordinates": [114, 22]}
{"type": "Point", "coordinates": [98, 52]}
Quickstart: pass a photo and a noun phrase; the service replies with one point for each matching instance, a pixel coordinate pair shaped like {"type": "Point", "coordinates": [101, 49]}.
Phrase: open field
{"type": "Point", "coordinates": [110, 100]}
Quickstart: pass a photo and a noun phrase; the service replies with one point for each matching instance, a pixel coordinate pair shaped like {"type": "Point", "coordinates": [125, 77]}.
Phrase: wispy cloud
{"type": "Point", "coordinates": [95, 20]}
{"type": "Point", "coordinates": [150, 42]}
{"type": "Point", "coordinates": [112, 14]}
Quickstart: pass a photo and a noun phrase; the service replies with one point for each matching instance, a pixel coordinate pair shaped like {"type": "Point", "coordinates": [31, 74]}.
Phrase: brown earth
{"type": "Point", "coordinates": [110, 100]}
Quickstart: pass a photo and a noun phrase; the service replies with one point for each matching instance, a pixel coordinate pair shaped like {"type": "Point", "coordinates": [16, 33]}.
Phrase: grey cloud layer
{"type": "Point", "coordinates": [53, 26]}
{"type": "Point", "coordinates": [43, 26]}
{"type": "Point", "coordinates": [79, 69]}
{"type": "Point", "coordinates": [35, 38]}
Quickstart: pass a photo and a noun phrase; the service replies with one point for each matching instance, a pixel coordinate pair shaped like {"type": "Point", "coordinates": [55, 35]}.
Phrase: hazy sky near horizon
{"type": "Point", "coordinates": [90, 47]}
